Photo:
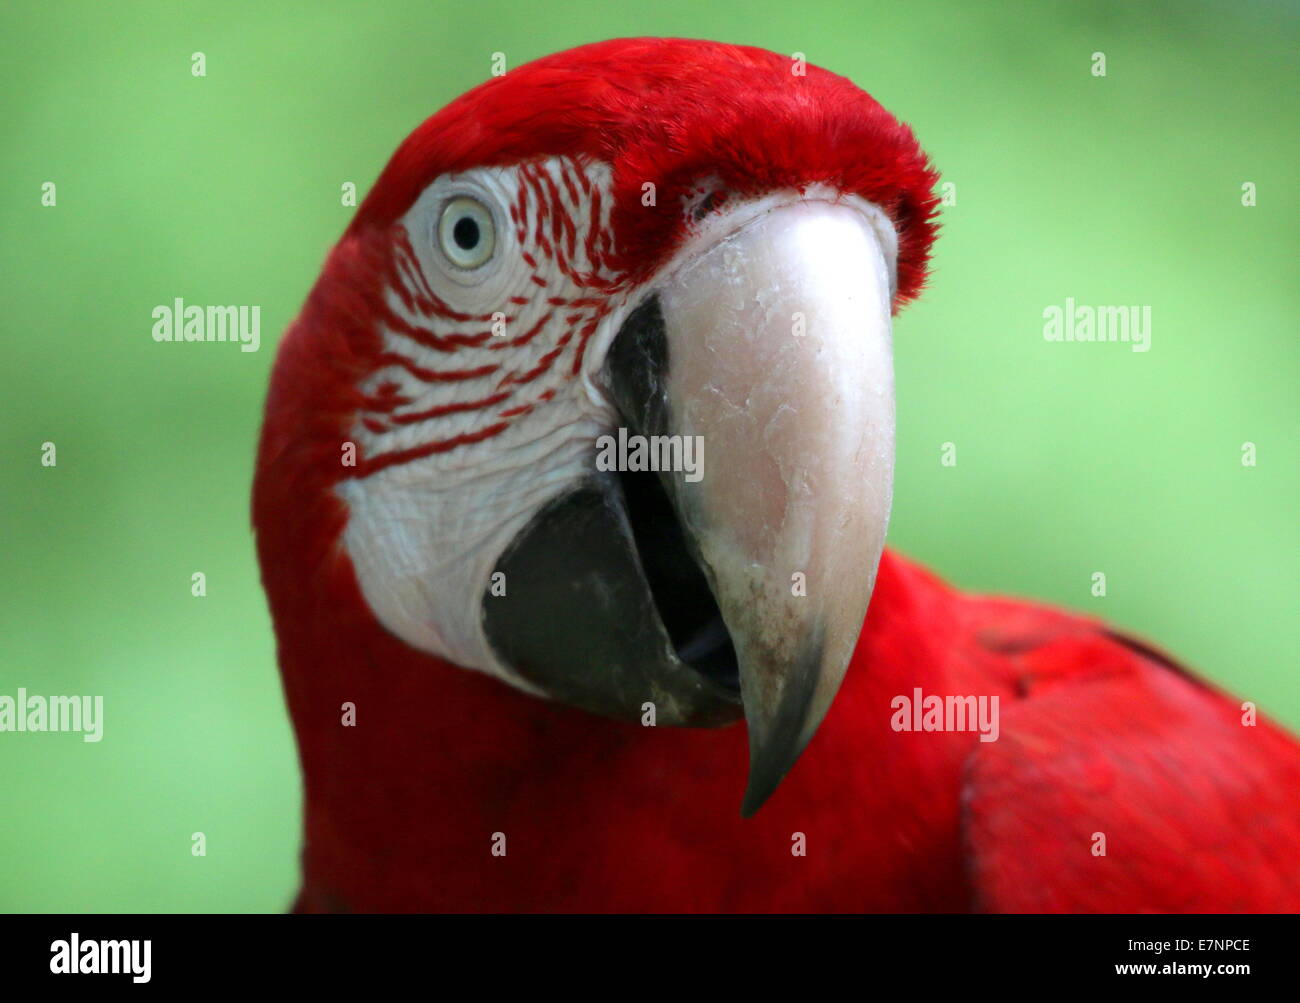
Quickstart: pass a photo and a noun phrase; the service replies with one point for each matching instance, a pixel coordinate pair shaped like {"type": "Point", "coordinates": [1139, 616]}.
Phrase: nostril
{"type": "Point", "coordinates": [710, 203]}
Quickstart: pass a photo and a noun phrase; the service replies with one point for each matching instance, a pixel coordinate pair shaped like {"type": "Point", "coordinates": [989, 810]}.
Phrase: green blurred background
{"type": "Point", "coordinates": [1072, 458]}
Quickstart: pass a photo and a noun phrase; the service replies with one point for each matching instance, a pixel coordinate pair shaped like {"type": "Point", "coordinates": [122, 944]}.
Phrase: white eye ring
{"type": "Point", "coordinates": [466, 232]}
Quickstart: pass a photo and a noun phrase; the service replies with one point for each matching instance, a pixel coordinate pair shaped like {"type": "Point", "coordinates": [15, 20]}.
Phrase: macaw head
{"type": "Point", "coordinates": [595, 394]}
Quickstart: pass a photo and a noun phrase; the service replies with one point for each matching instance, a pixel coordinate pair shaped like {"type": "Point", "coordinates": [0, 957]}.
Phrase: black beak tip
{"type": "Point", "coordinates": [754, 799]}
{"type": "Point", "coordinates": [764, 779]}
{"type": "Point", "coordinates": [781, 727]}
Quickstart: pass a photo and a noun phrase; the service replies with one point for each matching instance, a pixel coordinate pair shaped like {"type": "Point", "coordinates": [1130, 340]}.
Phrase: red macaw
{"type": "Point", "coordinates": [515, 646]}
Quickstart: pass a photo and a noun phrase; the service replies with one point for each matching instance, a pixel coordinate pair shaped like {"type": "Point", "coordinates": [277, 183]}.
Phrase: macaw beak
{"type": "Point", "coordinates": [765, 345]}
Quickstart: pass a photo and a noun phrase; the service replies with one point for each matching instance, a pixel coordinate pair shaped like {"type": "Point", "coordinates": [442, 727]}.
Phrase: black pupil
{"type": "Point", "coordinates": [465, 233]}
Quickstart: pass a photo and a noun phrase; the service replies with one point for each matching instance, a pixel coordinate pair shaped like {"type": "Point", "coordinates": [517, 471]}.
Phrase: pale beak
{"type": "Point", "coordinates": [779, 358]}
{"type": "Point", "coordinates": [740, 584]}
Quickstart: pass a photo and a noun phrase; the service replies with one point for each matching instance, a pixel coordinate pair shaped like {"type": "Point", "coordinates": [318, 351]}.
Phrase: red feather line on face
{"type": "Point", "coordinates": [552, 197]}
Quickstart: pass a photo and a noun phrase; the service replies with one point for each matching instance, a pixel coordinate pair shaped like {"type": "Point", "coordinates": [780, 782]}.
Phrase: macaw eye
{"type": "Point", "coordinates": [466, 232]}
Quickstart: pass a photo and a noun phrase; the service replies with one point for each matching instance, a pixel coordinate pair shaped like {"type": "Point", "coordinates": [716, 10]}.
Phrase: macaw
{"type": "Point", "coordinates": [517, 672]}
